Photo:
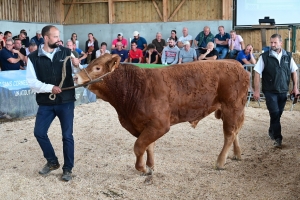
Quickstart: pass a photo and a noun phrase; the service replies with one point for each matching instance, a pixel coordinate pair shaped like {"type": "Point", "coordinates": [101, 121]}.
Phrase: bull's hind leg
{"type": "Point", "coordinates": [232, 122]}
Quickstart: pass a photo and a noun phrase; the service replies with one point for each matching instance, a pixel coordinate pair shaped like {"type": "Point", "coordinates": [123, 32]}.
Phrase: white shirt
{"type": "Point", "coordinates": [98, 54]}
{"type": "Point", "coordinates": [260, 65]}
{"type": "Point", "coordinates": [35, 84]}
{"type": "Point", "coordinates": [186, 38]}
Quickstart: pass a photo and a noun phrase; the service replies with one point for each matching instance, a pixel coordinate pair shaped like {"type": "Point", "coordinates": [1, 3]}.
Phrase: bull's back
{"type": "Point", "coordinates": [196, 89]}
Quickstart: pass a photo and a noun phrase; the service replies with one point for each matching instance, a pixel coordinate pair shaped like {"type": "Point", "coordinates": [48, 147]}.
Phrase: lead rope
{"type": "Point", "coordinates": [64, 73]}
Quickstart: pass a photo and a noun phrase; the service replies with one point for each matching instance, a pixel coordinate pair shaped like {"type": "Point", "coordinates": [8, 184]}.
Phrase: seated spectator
{"type": "Point", "coordinates": [38, 38]}
{"type": "Point", "coordinates": [187, 54]}
{"type": "Point", "coordinates": [121, 39]}
{"type": "Point", "coordinates": [140, 41]}
{"type": "Point", "coordinates": [151, 55]}
{"type": "Point", "coordinates": [159, 43]}
{"type": "Point", "coordinates": [121, 52]}
{"type": "Point", "coordinates": [102, 50]}
{"type": "Point", "coordinates": [74, 39]}
{"type": "Point", "coordinates": [76, 52]}
{"type": "Point", "coordinates": [235, 43]}
{"type": "Point", "coordinates": [221, 40]}
{"type": "Point", "coordinates": [10, 57]}
{"type": "Point", "coordinates": [174, 36]}
{"type": "Point", "coordinates": [170, 53]}
{"type": "Point", "coordinates": [7, 35]}
{"type": "Point", "coordinates": [208, 53]}
{"type": "Point", "coordinates": [202, 39]}
{"type": "Point", "coordinates": [2, 41]}
{"type": "Point", "coordinates": [246, 56]}
{"type": "Point", "coordinates": [135, 54]}
{"type": "Point", "coordinates": [32, 47]}
{"type": "Point", "coordinates": [18, 46]}
{"type": "Point", "coordinates": [184, 37]}
{"type": "Point", "coordinates": [91, 46]}
{"type": "Point", "coordinates": [23, 37]}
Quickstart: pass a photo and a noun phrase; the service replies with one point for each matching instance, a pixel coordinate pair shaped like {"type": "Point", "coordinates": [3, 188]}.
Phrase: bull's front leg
{"type": "Point", "coordinates": [139, 150]}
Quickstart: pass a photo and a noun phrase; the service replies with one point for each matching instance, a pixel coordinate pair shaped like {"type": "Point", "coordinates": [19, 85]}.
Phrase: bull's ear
{"type": "Point", "coordinates": [114, 62]}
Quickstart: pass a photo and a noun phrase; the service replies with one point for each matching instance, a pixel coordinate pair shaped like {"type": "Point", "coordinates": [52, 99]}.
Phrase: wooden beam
{"type": "Point", "coordinates": [227, 9]}
{"type": "Point", "coordinates": [176, 10]}
{"type": "Point", "coordinates": [20, 10]}
{"type": "Point", "coordinates": [111, 13]}
{"type": "Point", "coordinates": [157, 10]}
{"type": "Point", "coordinates": [165, 10]}
{"type": "Point", "coordinates": [99, 1]}
{"type": "Point", "coordinates": [69, 11]}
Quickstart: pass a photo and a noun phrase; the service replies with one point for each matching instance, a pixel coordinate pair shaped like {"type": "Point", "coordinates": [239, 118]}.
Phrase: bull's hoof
{"type": "Point", "coordinates": [148, 172]}
{"type": "Point", "coordinates": [236, 157]}
{"type": "Point", "coordinates": [219, 168]}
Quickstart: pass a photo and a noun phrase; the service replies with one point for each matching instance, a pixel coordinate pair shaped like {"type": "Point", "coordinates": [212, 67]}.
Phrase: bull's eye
{"type": "Point", "coordinates": [98, 68]}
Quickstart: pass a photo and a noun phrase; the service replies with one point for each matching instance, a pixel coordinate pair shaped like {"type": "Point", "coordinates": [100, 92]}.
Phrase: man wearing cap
{"type": "Point", "coordinates": [121, 39]}
{"type": "Point", "coordinates": [38, 39]}
{"type": "Point", "coordinates": [140, 41]}
{"type": "Point", "coordinates": [187, 54]}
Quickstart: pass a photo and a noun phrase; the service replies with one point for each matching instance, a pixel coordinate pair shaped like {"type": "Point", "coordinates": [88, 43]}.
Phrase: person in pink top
{"type": "Point", "coordinates": [121, 39]}
{"type": "Point", "coordinates": [236, 44]}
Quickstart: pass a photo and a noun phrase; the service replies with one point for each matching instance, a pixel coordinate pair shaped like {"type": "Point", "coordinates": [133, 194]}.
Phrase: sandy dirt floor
{"type": "Point", "coordinates": [185, 159]}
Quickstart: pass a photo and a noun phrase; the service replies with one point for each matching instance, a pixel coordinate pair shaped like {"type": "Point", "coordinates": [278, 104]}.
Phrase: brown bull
{"type": "Point", "coordinates": [149, 101]}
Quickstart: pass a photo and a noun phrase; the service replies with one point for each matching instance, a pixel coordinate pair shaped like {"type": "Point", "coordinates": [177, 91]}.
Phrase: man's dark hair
{"type": "Point", "coordinates": [17, 39]}
{"type": "Point", "coordinates": [103, 43]}
{"type": "Point", "coordinates": [46, 29]}
{"type": "Point", "coordinates": [151, 46]}
{"type": "Point", "coordinates": [32, 44]}
{"type": "Point", "coordinates": [133, 42]}
{"type": "Point", "coordinates": [24, 33]}
{"type": "Point", "coordinates": [277, 36]}
{"type": "Point", "coordinates": [7, 32]}
{"type": "Point", "coordinates": [171, 39]}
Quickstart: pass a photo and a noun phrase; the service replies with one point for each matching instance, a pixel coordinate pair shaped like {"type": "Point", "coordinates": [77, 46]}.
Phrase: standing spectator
{"type": "Point", "coordinates": [185, 37]}
{"type": "Point", "coordinates": [74, 39]}
{"type": "Point", "coordinates": [91, 46]}
{"type": "Point", "coordinates": [151, 55]}
{"type": "Point", "coordinates": [2, 41]}
{"type": "Point", "coordinates": [18, 46]}
{"type": "Point", "coordinates": [121, 39]}
{"type": "Point", "coordinates": [221, 40]}
{"type": "Point", "coordinates": [170, 53]}
{"type": "Point", "coordinates": [121, 52]}
{"type": "Point", "coordinates": [275, 66]}
{"type": "Point", "coordinates": [44, 74]}
{"type": "Point", "coordinates": [246, 56]}
{"type": "Point", "coordinates": [209, 53]}
{"type": "Point", "coordinates": [135, 54]}
{"type": "Point", "coordinates": [10, 57]}
{"type": "Point", "coordinates": [203, 38]}
{"type": "Point", "coordinates": [235, 43]}
{"type": "Point", "coordinates": [160, 44]}
{"type": "Point", "coordinates": [102, 50]}
{"type": "Point", "coordinates": [187, 54]}
{"type": "Point", "coordinates": [140, 41]}
{"type": "Point", "coordinates": [7, 35]}
{"type": "Point", "coordinates": [38, 38]}
{"type": "Point", "coordinates": [173, 35]}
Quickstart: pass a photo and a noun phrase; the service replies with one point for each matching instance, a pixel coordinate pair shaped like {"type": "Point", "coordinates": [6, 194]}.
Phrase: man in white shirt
{"type": "Point", "coordinates": [44, 74]}
{"type": "Point", "coordinates": [184, 37]}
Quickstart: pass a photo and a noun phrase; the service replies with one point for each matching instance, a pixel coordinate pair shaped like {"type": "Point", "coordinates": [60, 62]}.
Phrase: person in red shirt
{"type": "Point", "coordinates": [135, 54]}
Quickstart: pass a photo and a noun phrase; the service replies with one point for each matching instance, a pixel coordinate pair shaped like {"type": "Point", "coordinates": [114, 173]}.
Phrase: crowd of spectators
{"type": "Point", "coordinates": [205, 46]}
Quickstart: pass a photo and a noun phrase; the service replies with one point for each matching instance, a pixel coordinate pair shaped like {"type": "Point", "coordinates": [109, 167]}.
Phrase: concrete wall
{"type": "Point", "coordinates": [31, 28]}
{"type": "Point", "coordinates": [108, 32]}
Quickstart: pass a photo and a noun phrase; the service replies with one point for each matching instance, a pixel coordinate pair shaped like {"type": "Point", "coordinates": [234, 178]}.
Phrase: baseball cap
{"type": "Point", "coordinates": [186, 42]}
{"type": "Point", "coordinates": [120, 34]}
{"type": "Point", "coordinates": [38, 32]}
{"type": "Point", "coordinates": [136, 33]}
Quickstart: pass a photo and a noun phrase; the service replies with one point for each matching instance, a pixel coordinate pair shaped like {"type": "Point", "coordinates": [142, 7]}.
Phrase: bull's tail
{"type": "Point", "coordinates": [218, 114]}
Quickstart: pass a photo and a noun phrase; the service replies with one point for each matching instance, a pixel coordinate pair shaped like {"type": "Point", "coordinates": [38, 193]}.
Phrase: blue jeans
{"type": "Point", "coordinates": [275, 103]}
{"type": "Point", "coordinates": [233, 53]}
{"type": "Point", "coordinates": [223, 50]}
{"type": "Point", "coordinates": [45, 116]}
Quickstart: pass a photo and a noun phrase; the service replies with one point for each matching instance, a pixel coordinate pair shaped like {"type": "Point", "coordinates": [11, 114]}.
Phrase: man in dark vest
{"type": "Point", "coordinates": [44, 74]}
{"type": "Point", "coordinates": [275, 67]}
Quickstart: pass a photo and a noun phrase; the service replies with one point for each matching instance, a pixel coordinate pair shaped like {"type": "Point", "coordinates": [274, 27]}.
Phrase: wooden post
{"type": "Point", "coordinates": [21, 18]}
{"type": "Point", "coordinates": [227, 9]}
{"type": "Point", "coordinates": [165, 10]}
{"type": "Point", "coordinates": [111, 13]}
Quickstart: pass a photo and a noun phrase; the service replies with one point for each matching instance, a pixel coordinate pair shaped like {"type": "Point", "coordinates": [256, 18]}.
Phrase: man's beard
{"type": "Point", "coordinates": [52, 46]}
{"type": "Point", "coordinates": [275, 48]}
{"type": "Point", "coordinates": [171, 46]}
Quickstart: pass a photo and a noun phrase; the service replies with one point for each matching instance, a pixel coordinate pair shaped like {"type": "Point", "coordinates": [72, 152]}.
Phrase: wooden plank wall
{"type": "Point", "coordinates": [31, 10]}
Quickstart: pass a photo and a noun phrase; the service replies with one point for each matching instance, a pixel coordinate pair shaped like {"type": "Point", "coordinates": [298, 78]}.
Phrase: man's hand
{"type": "Point", "coordinates": [256, 95]}
{"type": "Point", "coordinates": [75, 61]}
{"type": "Point", "coordinates": [56, 90]}
{"type": "Point", "coordinates": [208, 51]}
{"type": "Point", "coordinates": [14, 51]}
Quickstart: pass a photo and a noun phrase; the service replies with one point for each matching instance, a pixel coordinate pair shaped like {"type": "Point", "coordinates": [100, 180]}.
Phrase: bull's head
{"type": "Point", "coordinates": [98, 67]}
